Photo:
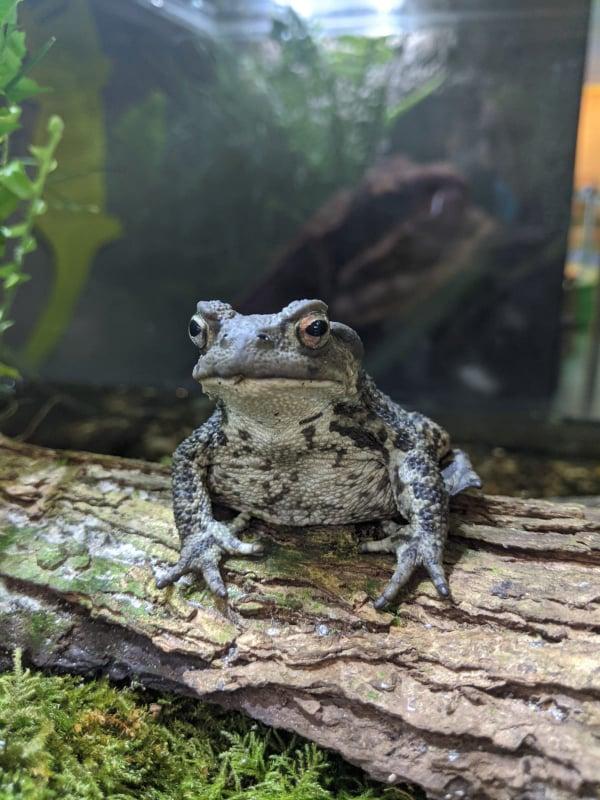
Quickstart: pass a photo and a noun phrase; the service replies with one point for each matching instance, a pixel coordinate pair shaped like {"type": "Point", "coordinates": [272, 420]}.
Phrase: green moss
{"type": "Point", "coordinates": [8, 536]}
{"type": "Point", "coordinates": [51, 556]}
{"type": "Point", "coordinates": [62, 737]}
{"type": "Point", "coordinates": [372, 587]}
{"type": "Point", "coordinates": [346, 544]}
{"type": "Point", "coordinates": [282, 560]}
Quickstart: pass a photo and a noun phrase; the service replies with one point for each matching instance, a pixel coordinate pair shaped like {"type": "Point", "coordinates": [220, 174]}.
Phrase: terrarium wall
{"type": "Point", "coordinates": [415, 172]}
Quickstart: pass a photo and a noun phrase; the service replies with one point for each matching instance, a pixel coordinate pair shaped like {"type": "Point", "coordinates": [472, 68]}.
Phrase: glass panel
{"type": "Point", "coordinates": [408, 162]}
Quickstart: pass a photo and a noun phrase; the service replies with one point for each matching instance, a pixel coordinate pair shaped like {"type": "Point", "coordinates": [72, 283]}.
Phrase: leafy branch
{"type": "Point", "coordinates": [22, 179]}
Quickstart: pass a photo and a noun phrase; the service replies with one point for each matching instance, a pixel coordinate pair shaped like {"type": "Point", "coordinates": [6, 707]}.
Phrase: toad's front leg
{"type": "Point", "coordinates": [204, 540]}
{"type": "Point", "coordinates": [422, 499]}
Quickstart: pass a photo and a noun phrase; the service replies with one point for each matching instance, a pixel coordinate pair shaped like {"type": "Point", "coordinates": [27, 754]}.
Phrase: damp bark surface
{"type": "Point", "coordinates": [495, 694]}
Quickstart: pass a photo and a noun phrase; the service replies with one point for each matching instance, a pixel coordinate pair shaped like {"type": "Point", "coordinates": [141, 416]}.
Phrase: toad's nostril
{"type": "Point", "coordinates": [263, 337]}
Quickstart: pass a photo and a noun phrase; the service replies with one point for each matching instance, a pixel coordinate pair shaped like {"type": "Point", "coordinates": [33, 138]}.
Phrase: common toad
{"type": "Point", "coordinates": [302, 436]}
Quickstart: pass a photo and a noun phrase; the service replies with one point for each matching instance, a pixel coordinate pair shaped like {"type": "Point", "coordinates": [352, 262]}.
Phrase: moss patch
{"type": "Point", "coordinates": [62, 737]}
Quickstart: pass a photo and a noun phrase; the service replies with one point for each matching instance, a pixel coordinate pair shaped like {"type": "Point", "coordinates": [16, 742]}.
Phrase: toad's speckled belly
{"type": "Point", "coordinates": [304, 489]}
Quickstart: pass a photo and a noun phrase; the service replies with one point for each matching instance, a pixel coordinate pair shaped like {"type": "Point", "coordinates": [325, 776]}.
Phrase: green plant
{"type": "Point", "coordinates": [62, 737]}
{"type": "Point", "coordinates": [78, 223]}
{"type": "Point", "coordinates": [22, 179]}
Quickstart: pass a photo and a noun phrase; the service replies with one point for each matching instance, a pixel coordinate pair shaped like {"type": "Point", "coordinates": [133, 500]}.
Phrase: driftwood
{"type": "Point", "coordinates": [377, 251]}
{"type": "Point", "coordinates": [493, 695]}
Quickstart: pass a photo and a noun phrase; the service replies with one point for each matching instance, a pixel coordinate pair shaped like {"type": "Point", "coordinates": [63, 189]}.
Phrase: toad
{"type": "Point", "coordinates": [302, 436]}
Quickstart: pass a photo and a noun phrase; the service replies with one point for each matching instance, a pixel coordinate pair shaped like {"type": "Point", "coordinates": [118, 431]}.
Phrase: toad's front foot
{"type": "Point", "coordinates": [409, 555]}
{"type": "Point", "coordinates": [202, 552]}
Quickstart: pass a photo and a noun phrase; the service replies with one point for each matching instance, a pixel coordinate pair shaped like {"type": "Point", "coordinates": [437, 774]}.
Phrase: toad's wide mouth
{"type": "Point", "coordinates": [243, 382]}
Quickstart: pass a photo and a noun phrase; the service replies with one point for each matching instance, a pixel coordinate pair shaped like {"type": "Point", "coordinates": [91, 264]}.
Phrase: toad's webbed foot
{"type": "Point", "coordinates": [459, 474]}
{"type": "Point", "coordinates": [202, 552]}
{"type": "Point", "coordinates": [410, 553]}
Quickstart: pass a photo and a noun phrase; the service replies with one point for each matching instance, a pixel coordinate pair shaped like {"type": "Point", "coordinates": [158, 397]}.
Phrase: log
{"type": "Point", "coordinates": [493, 695]}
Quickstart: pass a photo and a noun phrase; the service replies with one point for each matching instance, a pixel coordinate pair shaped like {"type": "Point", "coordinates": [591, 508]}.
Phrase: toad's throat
{"type": "Point", "coordinates": [275, 403]}
{"type": "Point", "coordinates": [292, 395]}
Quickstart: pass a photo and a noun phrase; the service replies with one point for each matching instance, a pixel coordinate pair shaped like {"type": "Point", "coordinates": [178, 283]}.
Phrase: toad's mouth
{"type": "Point", "coordinates": [243, 381]}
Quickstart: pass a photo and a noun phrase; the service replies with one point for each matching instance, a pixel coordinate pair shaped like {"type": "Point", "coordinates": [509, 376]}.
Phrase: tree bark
{"type": "Point", "coordinates": [493, 695]}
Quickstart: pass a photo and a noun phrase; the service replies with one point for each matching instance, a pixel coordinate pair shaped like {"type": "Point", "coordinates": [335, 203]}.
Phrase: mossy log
{"type": "Point", "coordinates": [493, 695]}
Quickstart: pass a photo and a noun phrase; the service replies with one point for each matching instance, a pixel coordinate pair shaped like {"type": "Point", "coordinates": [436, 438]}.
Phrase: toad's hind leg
{"type": "Point", "coordinates": [422, 499]}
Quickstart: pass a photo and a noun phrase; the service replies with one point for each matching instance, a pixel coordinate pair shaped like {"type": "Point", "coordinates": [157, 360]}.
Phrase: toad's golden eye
{"type": "Point", "coordinates": [198, 330]}
{"type": "Point", "coordinates": [313, 331]}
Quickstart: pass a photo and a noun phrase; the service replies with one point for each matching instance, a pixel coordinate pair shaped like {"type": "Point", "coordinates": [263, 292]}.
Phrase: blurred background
{"type": "Point", "coordinates": [414, 163]}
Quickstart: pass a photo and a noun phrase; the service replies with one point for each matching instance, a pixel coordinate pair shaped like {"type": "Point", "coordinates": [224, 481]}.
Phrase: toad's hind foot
{"type": "Point", "coordinates": [459, 474]}
{"type": "Point", "coordinates": [201, 554]}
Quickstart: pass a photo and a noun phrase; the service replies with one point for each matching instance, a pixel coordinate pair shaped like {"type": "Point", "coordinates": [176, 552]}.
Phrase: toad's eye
{"type": "Point", "coordinates": [313, 331]}
{"type": "Point", "coordinates": [198, 331]}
